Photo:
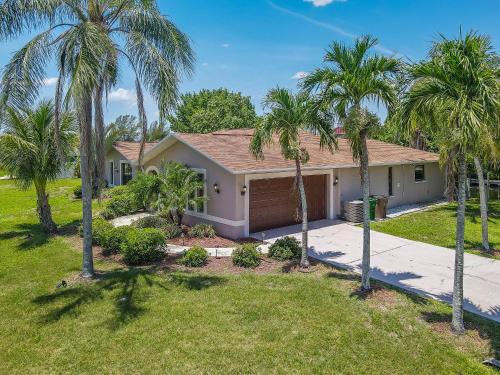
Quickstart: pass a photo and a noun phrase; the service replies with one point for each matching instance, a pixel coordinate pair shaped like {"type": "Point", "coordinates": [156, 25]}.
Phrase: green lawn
{"type": "Point", "coordinates": [437, 226]}
{"type": "Point", "coordinates": [147, 321]}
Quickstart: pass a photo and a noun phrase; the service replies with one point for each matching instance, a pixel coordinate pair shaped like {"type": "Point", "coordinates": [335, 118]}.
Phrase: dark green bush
{"type": "Point", "coordinates": [144, 188]}
{"type": "Point", "coordinates": [120, 205]}
{"type": "Point", "coordinates": [172, 230]}
{"type": "Point", "coordinates": [202, 231]}
{"type": "Point", "coordinates": [100, 227]}
{"type": "Point", "coordinates": [285, 248]}
{"type": "Point", "coordinates": [246, 255]}
{"type": "Point", "coordinates": [143, 245]}
{"type": "Point", "coordinates": [196, 256]}
{"type": "Point", "coordinates": [77, 192]}
{"type": "Point", "coordinates": [151, 222]}
{"type": "Point", "coordinates": [114, 239]}
{"type": "Point", "coordinates": [118, 190]}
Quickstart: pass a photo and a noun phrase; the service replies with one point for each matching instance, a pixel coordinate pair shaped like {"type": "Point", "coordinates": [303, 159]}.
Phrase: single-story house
{"type": "Point", "coordinates": [246, 195]}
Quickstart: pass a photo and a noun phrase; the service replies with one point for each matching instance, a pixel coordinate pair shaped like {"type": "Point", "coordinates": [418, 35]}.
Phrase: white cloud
{"type": "Point", "coordinates": [322, 3]}
{"type": "Point", "coordinates": [51, 81]}
{"type": "Point", "coordinates": [121, 95]}
{"type": "Point", "coordinates": [225, 45]}
{"type": "Point", "coordinates": [300, 75]}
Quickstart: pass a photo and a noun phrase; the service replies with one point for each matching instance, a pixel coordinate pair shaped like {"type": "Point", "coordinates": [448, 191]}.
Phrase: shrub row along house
{"type": "Point", "coordinates": [245, 195]}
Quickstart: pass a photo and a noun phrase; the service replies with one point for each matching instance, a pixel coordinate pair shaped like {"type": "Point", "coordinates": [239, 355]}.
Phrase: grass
{"type": "Point", "coordinates": [145, 320]}
{"type": "Point", "coordinates": [437, 226]}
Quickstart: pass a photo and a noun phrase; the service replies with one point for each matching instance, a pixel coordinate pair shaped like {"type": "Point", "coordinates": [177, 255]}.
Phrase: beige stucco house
{"type": "Point", "coordinates": [246, 195]}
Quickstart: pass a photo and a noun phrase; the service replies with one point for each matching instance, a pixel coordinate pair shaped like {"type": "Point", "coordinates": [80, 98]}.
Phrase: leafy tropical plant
{"type": "Point", "coordinates": [289, 117]}
{"type": "Point", "coordinates": [145, 188]}
{"type": "Point", "coordinates": [202, 230]}
{"type": "Point", "coordinates": [178, 189]}
{"type": "Point", "coordinates": [210, 110]}
{"type": "Point", "coordinates": [354, 78]}
{"type": "Point", "coordinates": [459, 81]}
{"type": "Point", "coordinates": [90, 41]}
{"type": "Point", "coordinates": [27, 151]}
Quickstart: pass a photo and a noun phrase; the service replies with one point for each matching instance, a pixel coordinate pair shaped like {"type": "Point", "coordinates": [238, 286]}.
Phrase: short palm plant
{"type": "Point", "coordinates": [460, 81]}
{"type": "Point", "coordinates": [27, 152]}
{"type": "Point", "coordinates": [179, 188]}
{"type": "Point", "coordinates": [353, 78]}
{"type": "Point", "coordinates": [290, 115]}
{"type": "Point", "coordinates": [90, 41]}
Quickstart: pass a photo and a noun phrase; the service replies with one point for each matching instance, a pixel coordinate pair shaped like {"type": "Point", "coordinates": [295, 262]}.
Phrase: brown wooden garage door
{"type": "Point", "coordinates": [274, 202]}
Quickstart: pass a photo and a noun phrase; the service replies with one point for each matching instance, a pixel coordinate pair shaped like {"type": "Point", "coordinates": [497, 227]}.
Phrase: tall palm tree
{"type": "Point", "coordinates": [290, 115]}
{"type": "Point", "coordinates": [353, 78]}
{"type": "Point", "coordinates": [27, 151]}
{"type": "Point", "coordinates": [458, 81]}
{"type": "Point", "coordinates": [90, 41]}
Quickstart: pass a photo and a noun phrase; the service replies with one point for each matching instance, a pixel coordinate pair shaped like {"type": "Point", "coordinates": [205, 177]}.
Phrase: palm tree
{"type": "Point", "coordinates": [90, 40]}
{"type": "Point", "coordinates": [355, 78]}
{"type": "Point", "coordinates": [178, 187]}
{"type": "Point", "coordinates": [27, 151]}
{"type": "Point", "coordinates": [458, 81]}
{"type": "Point", "coordinates": [290, 115]}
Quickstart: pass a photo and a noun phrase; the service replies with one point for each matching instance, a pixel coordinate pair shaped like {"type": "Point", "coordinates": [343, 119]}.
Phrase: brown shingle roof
{"type": "Point", "coordinates": [131, 149]}
{"type": "Point", "coordinates": [229, 148]}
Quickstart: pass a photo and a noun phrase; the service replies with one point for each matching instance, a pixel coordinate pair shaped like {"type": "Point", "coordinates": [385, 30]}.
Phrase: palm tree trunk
{"type": "Point", "coordinates": [43, 208]}
{"type": "Point", "coordinates": [304, 259]}
{"type": "Point", "coordinates": [85, 120]}
{"type": "Point", "coordinates": [365, 184]}
{"type": "Point", "coordinates": [458, 284]}
{"type": "Point", "coordinates": [483, 203]}
{"type": "Point", "coordinates": [99, 140]}
{"type": "Point", "coordinates": [450, 183]}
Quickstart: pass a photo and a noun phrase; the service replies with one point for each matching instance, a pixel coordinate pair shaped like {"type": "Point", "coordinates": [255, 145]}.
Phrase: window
{"type": "Point", "coordinates": [126, 173]}
{"type": "Point", "coordinates": [390, 182]}
{"type": "Point", "coordinates": [419, 173]}
{"type": "Point", "coordinates": [200, 207]}
{"type": "Point", "coordinates": [111, 173]}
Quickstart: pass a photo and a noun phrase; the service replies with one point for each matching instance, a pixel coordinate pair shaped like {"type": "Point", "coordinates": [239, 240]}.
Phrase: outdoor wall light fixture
{"type": "Point", "coordinates": [243, 190]}
{"type": "Point", "coordinates": [216, 188]}
{"type": "Point", "coordinates": [336, 181]}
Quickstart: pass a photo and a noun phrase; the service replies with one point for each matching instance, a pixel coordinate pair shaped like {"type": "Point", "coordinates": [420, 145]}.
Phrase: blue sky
{"type": "Point", "coordinates": [253, 45]}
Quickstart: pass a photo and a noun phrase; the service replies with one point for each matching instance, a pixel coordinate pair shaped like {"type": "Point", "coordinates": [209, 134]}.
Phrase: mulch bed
{"type": "Point", "coordinates": [214, 242]}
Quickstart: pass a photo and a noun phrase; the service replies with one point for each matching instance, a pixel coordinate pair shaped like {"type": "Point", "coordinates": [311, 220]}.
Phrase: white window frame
{"type": "Point", "coordinates": [112, 176]}
{"type": "Point", "coordinates": [205, 192]}
{"type": "Point", "coordinates": [121, 175]}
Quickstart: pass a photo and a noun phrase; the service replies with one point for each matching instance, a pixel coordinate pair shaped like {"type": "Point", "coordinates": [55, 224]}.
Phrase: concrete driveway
{"type": "Point", "coordinates": [415, 266]}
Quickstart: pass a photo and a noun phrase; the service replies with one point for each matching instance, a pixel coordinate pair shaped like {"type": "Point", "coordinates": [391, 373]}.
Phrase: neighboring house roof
{"type": "Point", "coordinates": [131, 149]}
{"type": "Point", "coordinates": [230, 150]}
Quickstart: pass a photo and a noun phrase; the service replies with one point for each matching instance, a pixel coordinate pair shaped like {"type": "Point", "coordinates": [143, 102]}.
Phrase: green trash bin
{"type": "Point", "coordinates": [373, 205]}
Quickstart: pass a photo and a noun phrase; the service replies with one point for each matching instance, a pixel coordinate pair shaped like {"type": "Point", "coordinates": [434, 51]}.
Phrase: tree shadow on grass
{"type": "Point", "coordinates": [486, 329]}
{"type": "Point", "coordinates": [129, 288]}
{"type": "Point", "coordinates": [32, 235]}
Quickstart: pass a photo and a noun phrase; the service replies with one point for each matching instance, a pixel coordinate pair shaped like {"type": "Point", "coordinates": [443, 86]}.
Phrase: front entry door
{"type": "Point", "coordinates": [126, 173]}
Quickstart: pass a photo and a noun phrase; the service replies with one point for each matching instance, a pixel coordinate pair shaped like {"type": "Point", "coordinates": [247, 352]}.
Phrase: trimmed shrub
{"type": "Point", "coordinates": [151, 222]}
{"type": "Point", "coordinates": [114, 239]}
{"type": "Point", "coordinates": [202, 231]}
{"type": "Point", "coordinates": [246, 255]}
{"type": "Point", "coordinates": [118, 190]}
{"type": "Point", "coordinates": [144, 188]}
{"type": "Point", "coordinates": [77, 192]}
{"type": "Point", "coordinates": [172, 230]}
{"type": "Point", "coordinates": [285, 248]}
{"type": "Point", "coordinates": [100, 227]}
{"type": "Point", "coordinates": [119, 205]}
{"type": "Point", "coordinates": [143, 245]}
{"type": "Point", "coordinates": [196, 256]}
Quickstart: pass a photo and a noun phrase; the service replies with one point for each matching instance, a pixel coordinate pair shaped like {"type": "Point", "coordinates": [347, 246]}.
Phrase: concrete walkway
{"type": "Point", "coordinates": [415, 266]}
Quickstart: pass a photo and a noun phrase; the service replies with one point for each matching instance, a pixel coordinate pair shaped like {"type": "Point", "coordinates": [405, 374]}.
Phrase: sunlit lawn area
{"type": "Point", "coordinates": [437, 226]}
{"type": "Point", "coordinates": [146, 320]}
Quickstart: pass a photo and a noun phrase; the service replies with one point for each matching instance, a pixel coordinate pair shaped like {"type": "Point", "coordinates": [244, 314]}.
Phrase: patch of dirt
{"type": "Point", "coordinates": [492, 253]}
{"type": "Point", "coordinates": [214, 242]}
{"type": "Point", "coordinates": [378, 297]}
